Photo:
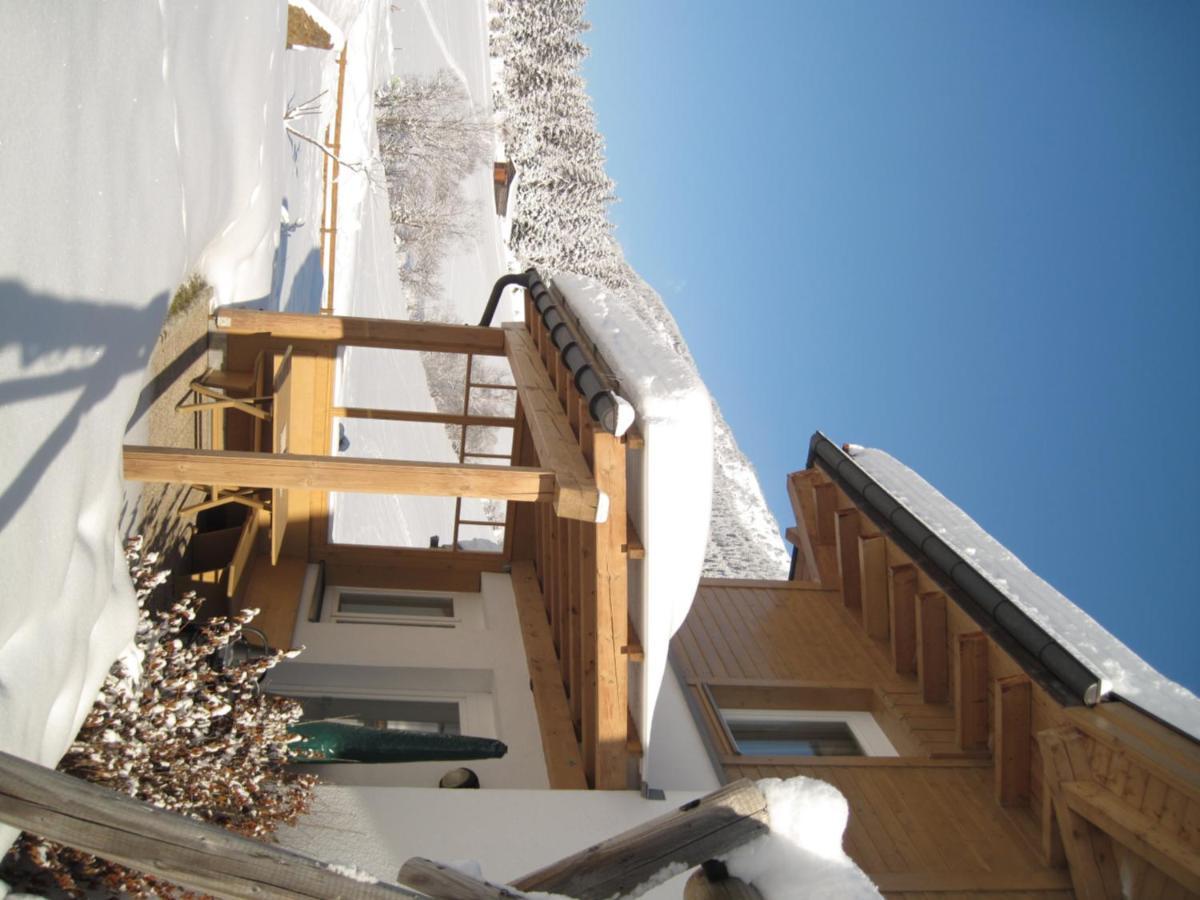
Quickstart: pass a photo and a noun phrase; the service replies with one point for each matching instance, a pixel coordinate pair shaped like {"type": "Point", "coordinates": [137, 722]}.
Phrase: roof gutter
{"type": "Point", "coordinates": [1045, 659]}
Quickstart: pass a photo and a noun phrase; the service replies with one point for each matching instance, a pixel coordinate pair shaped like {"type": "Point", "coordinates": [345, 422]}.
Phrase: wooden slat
{"type": "Point", "coordinates": [611, 619]}
{"type": "Point", "coordinates": [971, 690]}
{"type": "Point", "coordinates": [564, 765]}
{"type": "Point", "coordinates": [855, 762]}
{"type": "Point", "coordinates": [902, 590]}
{"type": "Point", "coordinates": [933, 668]}
{"type": "Point", "coordinates": [325, 473]}
{"type": "Point", "coordinates": [1088, 850]}
{"type": "Point", "coordinates": [873, 584]}
{"type": "Point", "coordinates": [686, 837]}
{"type": "Point", "coordinates": [576, 494]}
{"type": "Point", "coordinates": [1013, 739]}
{"type": "Point", "coordinates": [1140, 833]}
{"type": "Point", "coordinates": [847, 553]}
{"type": "Point", "coordinates": [195, 855]}
{"type": "Point", "coordinates": [349, 331]}
{"type": "Point", "coordinates": [1021, 882]}
{"type": "Point", "coordinates": [410, 415]}
{"type": "Point", "coordinates": [281, 413]}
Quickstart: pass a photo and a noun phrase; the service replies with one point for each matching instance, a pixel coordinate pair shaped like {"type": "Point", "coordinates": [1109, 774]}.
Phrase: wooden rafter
{"type": "Point", "coordinates": [873, 585]}
{"type": "Point", "coordinates": [1013, 739]}
{"type": "Point", "coordinates": [902, 606]}
{"type": "Point", "coordinates": [847, 554]}
{"type": "Point", "coordinates": [971, 690]}
{"type": "Point", "coordinates": [933, 668]}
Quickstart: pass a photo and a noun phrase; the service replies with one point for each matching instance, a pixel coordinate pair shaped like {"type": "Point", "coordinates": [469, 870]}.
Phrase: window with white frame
{"type": "Point", "coordinates": [369, 606]}
{"type": "Point", "coordinates": [800, 732]}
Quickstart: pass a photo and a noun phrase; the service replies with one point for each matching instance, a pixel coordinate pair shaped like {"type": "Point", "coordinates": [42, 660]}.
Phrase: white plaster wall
{"type": "Point", "coordinates": [677, 759]}
{"type": "Point", "coordinates": [508, 832]}
{"type": "Point", "coordinates": [429, 661]}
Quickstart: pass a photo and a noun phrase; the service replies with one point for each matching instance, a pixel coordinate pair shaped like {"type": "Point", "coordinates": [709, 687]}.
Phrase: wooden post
{"type": "Point", "coordinates": [329, 473]}
{"type": "Point", "coordinates": [971, 687]}
{"type": "Point", "coordinates": [444, 883]}
{"type": "Point", "coordinates": [1013, 739]}
{"type": "Point", "coordinates": [350, 331]}
{"type": "Point", "coordinates": [873, 584]}
{"type": "Point", "coordinates": [195, 855]}
{"type": "Point", "coordinates": [902, 597]}
{"type": "Point", "coordinates": [611, 620]}
{"type": "Point", "coordinates": [933, 667]}
{"type": "Point", "coordinates": [705, 828]}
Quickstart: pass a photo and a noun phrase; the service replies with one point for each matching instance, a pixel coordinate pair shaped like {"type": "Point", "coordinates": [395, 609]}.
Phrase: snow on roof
{"type": "Point", "coordinates": [670, 481]}
{"type": "Point", "coordinates": [1120, 670]}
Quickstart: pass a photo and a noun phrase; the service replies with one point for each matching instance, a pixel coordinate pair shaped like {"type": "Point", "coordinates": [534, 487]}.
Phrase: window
{"type": "Point", "coordinates": [797, 732]}
{"type": "Point", "coordinates": [392, 714]}
{"type": "Point", "coordinates": [379, 607]}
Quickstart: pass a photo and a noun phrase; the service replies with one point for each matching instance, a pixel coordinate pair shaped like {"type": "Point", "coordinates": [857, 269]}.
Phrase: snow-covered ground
{"type": "Point", "coordinates": [1121, 670]}
{"type": "Point", "coordinates": [139, 149]}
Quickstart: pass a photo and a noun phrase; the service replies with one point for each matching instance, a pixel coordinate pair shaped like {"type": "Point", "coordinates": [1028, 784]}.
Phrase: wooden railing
{"type": "Point", "coordinates": [582, 571]}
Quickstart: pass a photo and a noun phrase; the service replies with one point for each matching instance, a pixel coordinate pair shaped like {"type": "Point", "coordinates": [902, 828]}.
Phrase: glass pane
{"type": "Point", "coordinates": [767, 737]}
{"type": "Point", "coordinates": [392, 715]}
{"type": "Point", "coordinates": [395, 605]}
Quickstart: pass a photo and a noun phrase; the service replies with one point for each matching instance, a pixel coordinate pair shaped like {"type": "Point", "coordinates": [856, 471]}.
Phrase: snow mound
{"type": "Point", "coordinates": [1120, 670]}
{"type": "Point", "coordinates": [670, 480]}
{"type": "Point", "coordinates": [801, 856]}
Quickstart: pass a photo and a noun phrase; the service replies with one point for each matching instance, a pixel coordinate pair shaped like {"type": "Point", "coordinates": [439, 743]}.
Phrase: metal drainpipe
{"type": "Point", "coordinates": [957, 575]}
{"type": "Point", "coordinates": [505, 281]}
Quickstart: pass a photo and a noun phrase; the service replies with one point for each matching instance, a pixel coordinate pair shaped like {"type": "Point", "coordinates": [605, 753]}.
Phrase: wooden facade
{"type": "Point", "coordinates": [563, 474]}
{"type": "Point", "coordinates": [998, 789]}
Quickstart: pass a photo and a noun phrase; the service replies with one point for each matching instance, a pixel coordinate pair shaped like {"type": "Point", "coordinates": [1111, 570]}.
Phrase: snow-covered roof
{"type": "Point", "coordinates": [1120, 670]}
{"type": "Point", "coordinates": [670, 481]}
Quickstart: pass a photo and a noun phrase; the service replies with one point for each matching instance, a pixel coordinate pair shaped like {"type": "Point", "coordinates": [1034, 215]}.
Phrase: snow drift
{"type": "Point", "coordinates": [144, 142]}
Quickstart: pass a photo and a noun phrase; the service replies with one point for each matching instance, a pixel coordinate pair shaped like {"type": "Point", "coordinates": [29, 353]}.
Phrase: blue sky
{"type": "Point", "coordinates": [967, 234]}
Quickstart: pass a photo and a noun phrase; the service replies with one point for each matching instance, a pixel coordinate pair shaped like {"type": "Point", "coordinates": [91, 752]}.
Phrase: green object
{"type": "Point", "coordinates": [337, 742]}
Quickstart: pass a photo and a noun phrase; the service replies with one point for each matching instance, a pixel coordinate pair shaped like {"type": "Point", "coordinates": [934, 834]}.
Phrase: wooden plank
{"type": "Point", "coordinates": [902, 597]}
{"type": "Point", "coordinates": [576, 495]}
{"type": "Point", "coordinates": [437, 880]}
{"type": "Point", "coordinates": [1140, 833]}
{"type": "Point", "coordinates": [440, 559]}
{"type": "Point", "coordinates": [700, 830]}
{"type": "Point", "coordinates": [410, 415]}
{"type": "Point", "coordinates": [847, 553]}
{"type": "Point", "coordinates": [933, 668]}
{"type": "Point", "coordinates": [564, 765]}
{"type": "Point", "coordinates": [971, 690]}
{"type": "Point", "coordinates": [281, 413]}
{"type": "Point", "coordinates": [240, 562]}
{"type": "Point", "coordinates": [325, 473]}
{"type": "Point", "coordinates": [1088, 851]}
{"type": "Point", "coordinates": [873, 585]}
{"type": "Point", "coordinates": [611, 619]}
{"type": "Point", "coordinates": [1013, 747]}
{"type": "Point", "coordinates": [351, 331]}
{"type": "Point", "coordinates": [195, 855]}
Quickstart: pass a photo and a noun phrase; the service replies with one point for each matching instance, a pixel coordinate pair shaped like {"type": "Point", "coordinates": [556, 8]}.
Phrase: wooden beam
{"type": "Point", "coordinates": [329, 473]}
{"type": "Point", "coordinates": [611, 620]}
{"type": "Point", "coordinates": [825, 494]}
{"type": "Point", "coordinates": [902, 604]}
{"type": "Point", "coordinates": [576, 495]}
{"type": "Point", "coordinates": [1013, 739]}
{"type": "Point", "coordinates": [873, 584]}
{"type": "Point", "coordinates": [700, 830]}
{"type": "Point", "coordinates": [1140, 833]}
{"type": "Point", "coordinates": [196, 855]}
{"type": "Point", "coordinates": [437, 880]}
{"type": "Point", "coordinates": [817, 558]}
{"type": "Point", "coordinates": [1028, 882]}
{"type": "Point", "coordinates": [1088, 850]}
{"type": "Point", "coordinates": [564, 765]}
{"type": "Point", "coordinates": [933, 668]}
{"type": "Point", "coordinates": [350, 331]}
{"type": "Point", "coordinates": [412, 415]}
{"type": "Point", "coordinates": [847, 554]}
{"type": "Point", "coordinates": [971, 690]}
